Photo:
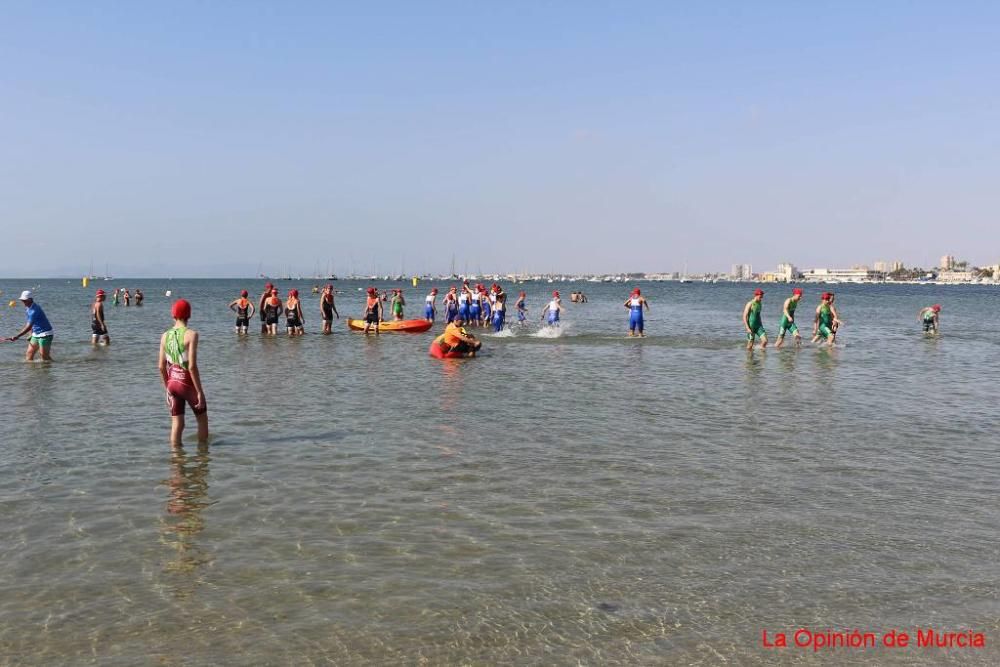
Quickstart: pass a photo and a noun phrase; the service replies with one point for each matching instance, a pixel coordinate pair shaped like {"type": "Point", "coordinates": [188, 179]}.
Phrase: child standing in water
{"type": "Point", "coordinates": [178, 363]}
{"type": "Point", "coordinates": [97, 324]}
{"type": "Point", "coordinates": [397, 304]}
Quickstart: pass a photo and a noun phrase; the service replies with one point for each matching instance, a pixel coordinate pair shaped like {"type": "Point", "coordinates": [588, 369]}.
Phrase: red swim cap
{"type": "Point", "coordinates": [181, 310]}
{"type": "Point", "coordinates": [371, 290]}
{"type": "Point", "coordinates": [797, 291]}
{"type": "Point", "coordinates": [824, 296]}
{"type": "Point", "coordinates": [758, 292]}
{"type": "Point", "coordinates": [936, 308]}
{"type": "Point", "coordinates": [268, 286]}
{"type": "Point", "coordinates": [556, 293]}
{"type": "Point", "coordinates": [522, 294]}
{"type": "Point", "coordinates": [329, 286]}
{"type": "Point", "coordinates": [100, 292]}
{"type": "Point", "coordinates": [636, 291]}
{"type": "Point", "coordinates": [244, 294]}
{"type": "Point", "coordinates": [293, 292]}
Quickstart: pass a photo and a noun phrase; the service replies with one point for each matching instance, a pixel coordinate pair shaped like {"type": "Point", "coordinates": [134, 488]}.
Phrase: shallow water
{"type": "Point", "coordinates": [580, 498]}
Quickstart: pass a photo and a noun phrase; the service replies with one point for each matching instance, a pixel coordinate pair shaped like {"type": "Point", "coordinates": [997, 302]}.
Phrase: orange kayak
{"type": "Point", "coordinates": [407, 326]}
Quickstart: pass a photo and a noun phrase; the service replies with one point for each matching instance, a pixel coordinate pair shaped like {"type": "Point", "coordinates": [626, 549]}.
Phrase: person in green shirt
{"type": "Point", "coordinates": [788, 319]}
{"type": "Point", "coordinates": [930, 316]}
{"type": "Point", "coordinates": [752, 322]}
{"type": "Point", "coordinates": [826, 321]}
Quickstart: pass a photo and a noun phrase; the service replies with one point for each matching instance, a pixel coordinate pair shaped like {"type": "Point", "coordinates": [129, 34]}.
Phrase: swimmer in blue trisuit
{"type": "Point", "coordinates": [487, 301]}
{"type": "Point", "coordinates": [476, 307]}
{"type": "Point", "coordinates": [522, 309]}
{"type": "Point", "coordinates": [553, 309]}
{"type": "Point", "coordinates": [451, 305]}
{"type": "Point", "coordinates": [635, 304]}
{"type": "Point", "coordinates": [499, 308]}
{"type": "Point", "coordinates": [430, 305]}
{"type": "Point", "coordinates": [464, 303]}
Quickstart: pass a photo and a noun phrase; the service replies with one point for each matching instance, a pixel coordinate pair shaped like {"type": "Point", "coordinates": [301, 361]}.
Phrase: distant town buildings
{"type": "Point", "coordinates": [947, 262]}
{"type": "Point", "coordinates": [856, 275]}
{"type": "Point", "coordinates": [786, 272]}
{"type": "Point", "coordinates": [742, 272]}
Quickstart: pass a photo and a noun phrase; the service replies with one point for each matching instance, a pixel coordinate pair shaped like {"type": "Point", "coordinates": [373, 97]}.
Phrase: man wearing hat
{"type": "Point", "coordinates": [788, 319]}
{"type": "Point", "coordinates": [97, 324]}
{"type": "Point", "coordinates": [39, 327]}
{"type": "Point", "coordinates": [752, 321]}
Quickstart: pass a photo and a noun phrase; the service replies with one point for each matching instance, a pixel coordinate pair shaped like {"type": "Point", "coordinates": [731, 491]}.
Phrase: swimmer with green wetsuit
{"type": "Point", "coordinates": [752, 322]}
{"type": "Point", "coordinates": [827, 321]}
{"type": "Point", "coordinates": [788, 319]}
{"type": "Point", "coordinates": [931, 317]}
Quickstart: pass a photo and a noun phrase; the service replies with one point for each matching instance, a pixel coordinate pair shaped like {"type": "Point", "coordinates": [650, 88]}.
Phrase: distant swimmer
{"type": "Point", "coordinates": [522, 309]}
{"type": "Point", "coordinates": [788, 319]}
{"type": "Point", "coordinates": [295, 318]}
{"type": "Point", "coordinates": [553, 310]}
{"type": "Point", "coordinates": [499, 308]}
{"type": "Point", "coordinates": [98, 326]}
{"type": "Point", "coordinates": [826, 321]}
{"type": "Point", "coordinates": [398, 301]}
{"type": "Point", "coordinates": [931, 317]}
{"type": "Point", "coordinates": [126, 297]}
{"type": "Point", "coordinates": [138, 297]}
{"type": "Point", "coordinates": [265, 295]}
{"type": "Point", "coordinates": [114, 296]}
{"type": "Point", "coordinates": [450, 303]}
{"type": "Point", "coordinates": [636, 303]}
{"type": "Point", "coordinates": [465, 303]}
{"type": "Point", "coordinates": [39, 328]}
{"type": "Point", "coordinates": [179, 370]}
{"type": "Point", "coordinates": [457, 341]}
{"type": "Point", "coordinates": [244, 310]}
{"type": "Point", "coordinates": [430, 305]}
{"type": "Point", "coordinates": [327, 309]}
{"type": "Point", "coordinates": [581, 297]}
{"type": "Point", "coordinates": [752, 320]}
{"type": "Point", "coordinates": [272, 311]}
{"type": "Point", "coordinates": [373, 310]}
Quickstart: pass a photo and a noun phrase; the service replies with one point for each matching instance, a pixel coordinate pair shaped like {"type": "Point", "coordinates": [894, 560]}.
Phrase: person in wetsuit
{"type": "Point", "coordinates": [552, 310]}
{"type": "Point", "coordinates": [265, 295]}
{"type": "Point", "coordinates": [826, 321]}
{"type": "Point", "coordinates": [178, 364]}
{"type": "Point", "coordinates": [244, 312]}
{"type": "Point", "coordinates": [272, 311]}
{"type": "Point", "coordinates": [98, 326]}
{"type": "Point", "coordinates": [788, 319]}
{"type": "Point", "coordinates": [295, 319]}
{"type": "Point", "coordinates": [373, 310]}
{"type": "Point", "coordinates": [931, 318]}
{"type": "Point", "coordinates": [430, 305]}
{"type": "Point", "coordinates": [752, 320]}
{"type": "Point", "coordinates": [635, 304]}
{"type": "Point", "coordinates": [327, 309]}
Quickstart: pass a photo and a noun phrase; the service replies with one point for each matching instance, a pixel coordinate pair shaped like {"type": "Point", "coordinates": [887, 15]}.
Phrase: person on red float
{"type": "Point", "coordinates": [178, 363]}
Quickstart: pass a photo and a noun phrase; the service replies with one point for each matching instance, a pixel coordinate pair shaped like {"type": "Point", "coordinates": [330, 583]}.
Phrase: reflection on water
{"type": "Point", "coordinates": [180, 527]}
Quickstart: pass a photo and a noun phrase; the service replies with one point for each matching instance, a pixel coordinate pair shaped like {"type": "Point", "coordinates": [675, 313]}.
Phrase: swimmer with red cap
{"type": "Point", "coordinates": [553, 309]}
{"type": "Point", "coordinates": [295, 318]}
{"type": "Point", "coordinates": [373, 310]}
{"type": "Point", "coordinates": [178, 364]}
{"type": "Point", "coordinates": [265, 295]}
{"type": "Point", "coordinates": [272, 311]}
{"type": "Point", "coordinates": [788, 319]}
{"type": "Point", "coordinates": [931, 317]}
{"type": "Point", "coordinates": [98, 325]}
{"type": "Point", "coordinates": [244, 312]}
{"type": "Point", "coordinates": [522, 309]}
{"type": "Point", "coordinates": [827, 321]}
{"type": "Point", "coordinates": [450, 303]}
{"type": "Point", "coordinates": [430, 305]}
{"type": "Point", "coordinates": [635, 304]}
{"type": "Point", "coordinates": [752, 320]}
{"type": "Point", "coordinates": [327, 308]}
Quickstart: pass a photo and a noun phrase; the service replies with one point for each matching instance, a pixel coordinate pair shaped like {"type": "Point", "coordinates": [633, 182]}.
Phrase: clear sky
{"type": "Point", "coordinates": [206, 138]}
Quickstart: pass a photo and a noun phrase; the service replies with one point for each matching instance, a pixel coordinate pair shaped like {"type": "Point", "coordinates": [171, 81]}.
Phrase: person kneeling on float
{"type": "Point", "coordinates": [179, 370]}
{"type": "Point", "coordinates": [931, 318]}
{"type": "Point", "coordinates": [457, 341]}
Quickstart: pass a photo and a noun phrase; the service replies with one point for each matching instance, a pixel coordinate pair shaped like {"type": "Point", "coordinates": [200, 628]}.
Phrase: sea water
{"type": "Point", "coordinates": [561, 499]}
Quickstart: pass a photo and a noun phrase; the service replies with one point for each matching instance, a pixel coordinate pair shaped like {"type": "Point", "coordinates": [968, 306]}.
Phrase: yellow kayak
{"type": "Point", "coordinates": [407, 326]}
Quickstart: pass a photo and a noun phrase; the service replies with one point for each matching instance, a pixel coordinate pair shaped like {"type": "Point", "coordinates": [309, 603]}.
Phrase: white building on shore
{"type": "Point", "coordinates": [859, 275]}
{"type": "Point", "coordinates": [742, 272]}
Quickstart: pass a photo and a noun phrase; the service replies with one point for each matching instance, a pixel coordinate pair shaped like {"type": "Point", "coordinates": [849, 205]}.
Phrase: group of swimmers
{"type": "Point", "coordinates": [826, 320]}
{"type": "Point", "coordinates": [123, 296]}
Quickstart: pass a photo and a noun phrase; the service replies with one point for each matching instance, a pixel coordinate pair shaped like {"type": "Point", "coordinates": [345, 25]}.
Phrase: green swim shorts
{"type": "Point", "coordinates": [787, 326]}
{"type": "Point", "coordinates": [757, 332]}
{"type": "Point", "coordinates": [43, 341]}
{"type": "Point", "coordinates": [825, 331]}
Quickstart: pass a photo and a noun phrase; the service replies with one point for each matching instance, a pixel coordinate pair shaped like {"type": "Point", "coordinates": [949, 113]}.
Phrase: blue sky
{"type": "Point", "coordinates": [207, 138]}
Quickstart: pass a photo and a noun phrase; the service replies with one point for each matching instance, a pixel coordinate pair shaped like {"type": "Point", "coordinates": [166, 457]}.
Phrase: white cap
{"type": "Point", "coordinates": [25, 295]}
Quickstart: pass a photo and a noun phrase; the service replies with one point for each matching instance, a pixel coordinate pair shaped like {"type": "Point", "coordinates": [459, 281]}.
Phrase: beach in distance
{"type": "Point", "coordinates": [568, 496]}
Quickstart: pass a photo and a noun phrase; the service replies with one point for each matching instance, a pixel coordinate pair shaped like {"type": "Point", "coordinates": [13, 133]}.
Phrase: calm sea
{"type": "Point", "coordinates": [578, 499]}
